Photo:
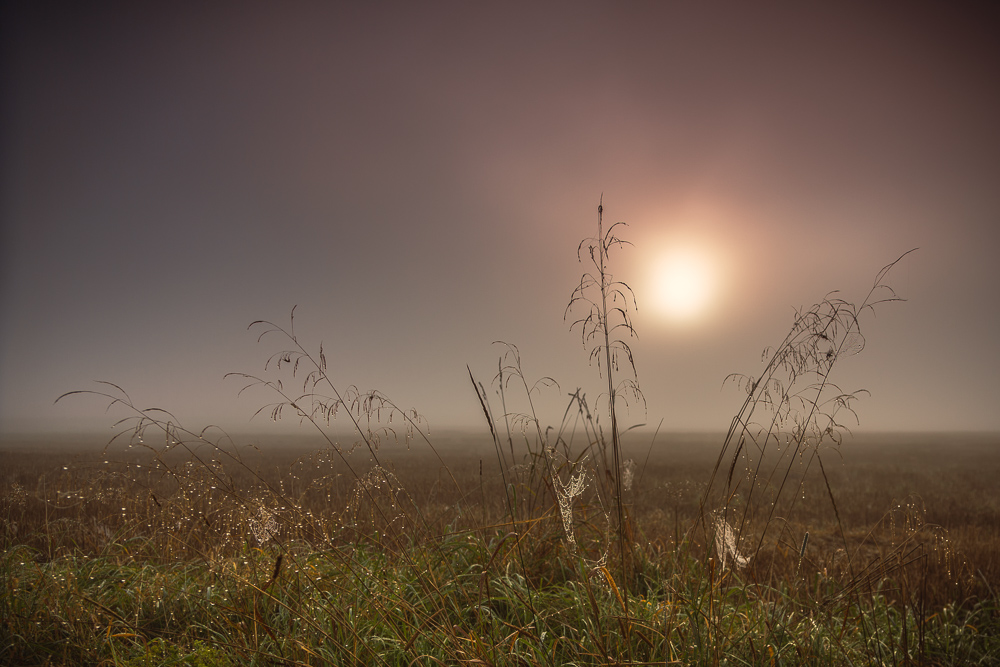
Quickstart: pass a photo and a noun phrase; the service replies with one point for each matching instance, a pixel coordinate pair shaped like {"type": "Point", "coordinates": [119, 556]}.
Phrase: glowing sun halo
{"type": "Point", "coordinates": [684, 284]}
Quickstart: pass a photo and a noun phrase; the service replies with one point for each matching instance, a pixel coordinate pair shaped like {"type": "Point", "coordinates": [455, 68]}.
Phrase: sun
{"type": "Point", "coordinates": [684, 280]}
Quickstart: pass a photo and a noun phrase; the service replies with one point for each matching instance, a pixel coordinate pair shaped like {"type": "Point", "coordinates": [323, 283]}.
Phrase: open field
{"type": "Point", "coordinates": [226, 553]}
{"type": "Point", "coordinates": [573, 541]}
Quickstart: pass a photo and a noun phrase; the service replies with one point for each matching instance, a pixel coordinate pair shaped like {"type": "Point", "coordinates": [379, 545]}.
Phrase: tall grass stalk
{"type": "Point", "coordinates": [604, 327]}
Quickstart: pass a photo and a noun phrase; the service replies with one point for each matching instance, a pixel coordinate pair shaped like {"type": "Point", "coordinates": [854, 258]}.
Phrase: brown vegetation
{"type": "Point", "coordinates": [934, 498]}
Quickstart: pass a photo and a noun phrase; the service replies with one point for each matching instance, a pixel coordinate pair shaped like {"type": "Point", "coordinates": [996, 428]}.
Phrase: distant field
{"type": "Point", "coordinates": [920, 516]}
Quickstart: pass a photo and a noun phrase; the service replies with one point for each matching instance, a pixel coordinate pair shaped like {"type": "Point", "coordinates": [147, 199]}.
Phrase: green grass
{"type": "Point", "coordinates": [458, 602]}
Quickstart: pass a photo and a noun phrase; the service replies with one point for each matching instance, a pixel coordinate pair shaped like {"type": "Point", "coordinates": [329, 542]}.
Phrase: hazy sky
{"type": "Point", "coordinates": [416, 178]}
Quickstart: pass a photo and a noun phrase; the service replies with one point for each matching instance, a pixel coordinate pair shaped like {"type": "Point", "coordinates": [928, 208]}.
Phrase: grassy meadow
{"type": "Point", "coordinates": [284, 558]}
{"type": "Point", "coordinates": [540, 540]}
